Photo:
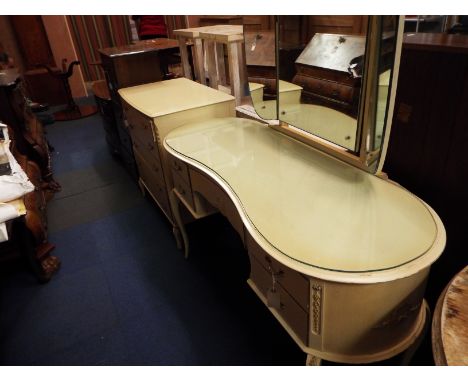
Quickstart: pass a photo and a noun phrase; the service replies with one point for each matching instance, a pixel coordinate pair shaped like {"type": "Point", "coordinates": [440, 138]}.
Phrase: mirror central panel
{"type": "Point", "coordinates": [327, 75]}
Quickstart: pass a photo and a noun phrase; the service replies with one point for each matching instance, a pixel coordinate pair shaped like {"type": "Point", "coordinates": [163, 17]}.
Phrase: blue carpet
{"type": "Point", "coordinates": [124, 294]}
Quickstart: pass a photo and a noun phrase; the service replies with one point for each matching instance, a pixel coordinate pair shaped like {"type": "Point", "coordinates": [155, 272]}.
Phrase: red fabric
{"type": "Point", "coordinates": [152, 25]}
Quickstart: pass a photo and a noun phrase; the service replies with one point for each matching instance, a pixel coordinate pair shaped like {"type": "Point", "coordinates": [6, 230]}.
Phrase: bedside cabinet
{"type": "Point", "coordinates": [151, 111]}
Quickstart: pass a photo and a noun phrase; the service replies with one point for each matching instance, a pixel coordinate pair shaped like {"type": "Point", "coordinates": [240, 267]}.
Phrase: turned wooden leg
{"type": "Point", "coordinates": [409, 353]}
{"type": "Point", "coordinates": [175, 206]}
{"type": "Point", "coordinates": [312, 360]}
{"type": "Point", "coordinates": [142, 187]}
{"type": "Point", "coordinates": [178, 237]}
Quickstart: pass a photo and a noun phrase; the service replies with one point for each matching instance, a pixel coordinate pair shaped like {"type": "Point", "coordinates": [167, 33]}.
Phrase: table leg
{"type": "Point", "coordinates": [212, 68]}
{"type": "Point", "coordinates": [199, 61]}
{"type": "Point", "coordinates": [220, 64]}
{"type": "Point", "coordinates": [233, 58]}
{"type": "Point", "coordinates": [180, 228]}
{"type": "Point", "coordinates": [184, 58]}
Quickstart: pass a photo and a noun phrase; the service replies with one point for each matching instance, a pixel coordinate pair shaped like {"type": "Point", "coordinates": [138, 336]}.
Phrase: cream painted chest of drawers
{"type": "Point", "coordinates": [151, 111]}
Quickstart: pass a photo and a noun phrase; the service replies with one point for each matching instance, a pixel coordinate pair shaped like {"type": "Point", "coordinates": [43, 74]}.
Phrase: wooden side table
{"type": "Point", "coordinates": [193, 34]}
{"type": "Point", "coordinates": [229, 37]}
{"type": "Point", "coordinates": [212, 41]}
{"type": "Point", "coordinates": [450, 323]}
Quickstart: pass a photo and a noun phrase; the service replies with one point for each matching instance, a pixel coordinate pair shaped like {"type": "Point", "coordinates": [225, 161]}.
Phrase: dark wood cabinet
{"type": "Point", "coordinates": [125, 66]}
{"type": "Point", "coordinates": [429, 138]}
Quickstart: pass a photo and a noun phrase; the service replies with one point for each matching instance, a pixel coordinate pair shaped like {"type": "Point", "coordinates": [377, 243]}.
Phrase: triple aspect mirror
{"type": "Point", "coordinates": [328, 80]}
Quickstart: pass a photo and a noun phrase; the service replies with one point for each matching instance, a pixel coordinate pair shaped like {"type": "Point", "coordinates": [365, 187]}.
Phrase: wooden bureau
{"type": "Point", "coordinates": [322, 71]}
{"type": "Point", "coordinates": [151, 111]}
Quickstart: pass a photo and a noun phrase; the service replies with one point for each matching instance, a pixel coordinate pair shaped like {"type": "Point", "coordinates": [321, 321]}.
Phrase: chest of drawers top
{"type": "Point", "coordinates": [173, 96]}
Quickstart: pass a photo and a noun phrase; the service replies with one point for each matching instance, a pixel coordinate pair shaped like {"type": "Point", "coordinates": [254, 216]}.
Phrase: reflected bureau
{"type": "Point", "coordinates": [339, 256]}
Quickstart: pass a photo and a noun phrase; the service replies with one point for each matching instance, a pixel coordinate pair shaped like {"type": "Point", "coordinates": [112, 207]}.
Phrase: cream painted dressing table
{"type": "Point", "coordinates": [340, 256]}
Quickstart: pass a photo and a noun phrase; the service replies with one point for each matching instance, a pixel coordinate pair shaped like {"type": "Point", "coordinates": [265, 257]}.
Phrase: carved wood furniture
{"type": "Point", "coordinates": [178, 101]}
{"type": "Point", "coordinates": [322, 70]}
{"type": "Point", "coordinates": [72, 111]}
{"type": "Point", "coordinates": [450, 323]}
{"type": "Point", "coordinates": [28, 234]}
{"type": "Point", "coordinates": [28, 131]}
{"type": "Point", "coordinates": [339, 256]}
{"type": "Point", "coordinates": [131, 65]}
{"type": "Point", "coordinates": [431, 114]}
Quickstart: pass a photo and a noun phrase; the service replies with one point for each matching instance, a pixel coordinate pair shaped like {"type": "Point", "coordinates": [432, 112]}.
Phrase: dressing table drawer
{"type": "Point", "coordinates": [216, 196]}
{"type": "Point", "coordinates": [294, 282]}
{"type": "Point", "coordinates": [289, 309]}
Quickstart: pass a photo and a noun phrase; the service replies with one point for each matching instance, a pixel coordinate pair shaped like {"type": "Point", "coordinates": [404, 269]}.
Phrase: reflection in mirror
{"type": "Point", "coordinates": [386, 57]}
{"type": "Point", "coordinates": [261, 69]}
{"type": "Point", "coordinates": [327, 75]}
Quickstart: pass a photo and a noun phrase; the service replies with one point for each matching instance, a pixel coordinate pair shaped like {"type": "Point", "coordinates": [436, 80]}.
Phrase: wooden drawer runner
{"type": "Point", "coordinates": [289, 310]}
{"type": "Point", "coordinates": [215, 195]}
{"type": "Point", "coordinates": [294, 282]}
{"type": "Point", "coordinates": [154, 181]}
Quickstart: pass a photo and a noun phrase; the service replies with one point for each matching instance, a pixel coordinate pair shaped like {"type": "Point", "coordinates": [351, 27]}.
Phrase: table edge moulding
{"type": "Point", "coordinates": [342, 315]}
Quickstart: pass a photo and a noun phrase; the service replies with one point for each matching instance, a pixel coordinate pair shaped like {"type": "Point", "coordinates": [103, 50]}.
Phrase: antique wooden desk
{"type": "Point", "coordinates": [152, 111]}
{"type": "Point", "coordinates": [339, 256]}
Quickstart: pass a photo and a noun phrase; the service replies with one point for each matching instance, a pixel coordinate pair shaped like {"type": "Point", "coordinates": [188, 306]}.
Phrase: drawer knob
{"type": "Point", "coordinates": [150, 147]}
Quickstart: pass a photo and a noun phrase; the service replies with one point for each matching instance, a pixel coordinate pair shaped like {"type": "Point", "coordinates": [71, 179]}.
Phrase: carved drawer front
{"type": "Point", "coordinates": [294, 282]}
{"type": "Point", "coordinates": [296, 317]}
{"type": "Point", "coordinates": [150, 153]}
{"type": "Point", "coordinates": [215, 195]}
{"type": "Point", "coordinates": [180, 169]}
{"type": "Point", "coordinates": [154, 182]}
{"type": "Point", "coordinates": [139, 125]}
{"type": "Point", "coordinates": [183, 188]}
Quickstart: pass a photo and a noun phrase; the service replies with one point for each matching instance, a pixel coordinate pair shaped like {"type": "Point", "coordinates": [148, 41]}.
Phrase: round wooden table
{"type": "Point", "coordinates": [450, 323]}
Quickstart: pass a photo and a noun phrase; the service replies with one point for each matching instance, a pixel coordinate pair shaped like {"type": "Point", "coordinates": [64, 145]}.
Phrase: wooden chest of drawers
{"type": "Point", "coordinates": [151, 111]}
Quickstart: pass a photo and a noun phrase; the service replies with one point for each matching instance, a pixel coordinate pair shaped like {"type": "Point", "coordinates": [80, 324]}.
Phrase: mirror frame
{"type": "Point", "coordinates": [362, 157]}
